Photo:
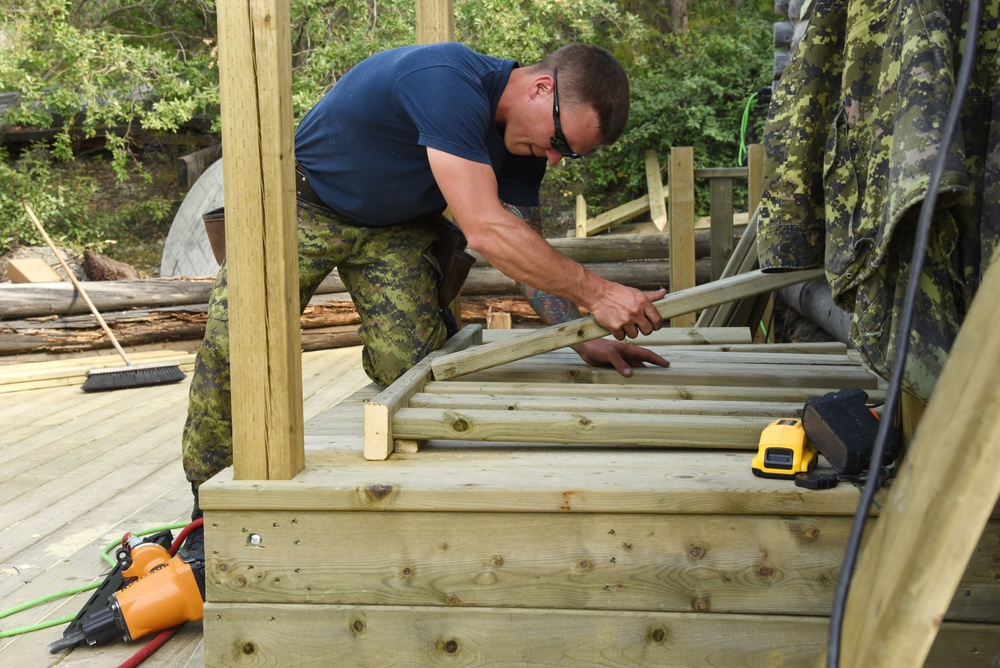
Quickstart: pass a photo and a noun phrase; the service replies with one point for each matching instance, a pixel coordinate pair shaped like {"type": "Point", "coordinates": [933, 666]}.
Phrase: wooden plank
{"type": "Point", "coordinates": [797, 395]}
{"type": "Point", "coordinates": [581, 217]}
{"type": "Point", "coordinates": [435, 21]}
{"type": "Point", "coordinates": [760, 375]}
{"type": "Point", "coordinates": [678, 563]}
{"type": "Point", "coordinates": [721, 210]}
{"type": "Point", "coordinates": [755, 175]}
{"type": "Point", "coordinates": [654, 182]}
{"type": "Point", "coordinates": [667, 336]}
{"type": "Point", "coordinates": [744, 261]}
{"type": "Point", "coordinates": [676, 431]}
{"type": "Point", "coordinates": [321, 635]}
{"type": "Point", "coordinates": [31, 270]}
{"type": "Point", "coordinates": [585, 329]}
{"type": "Point", "coordinates": [618, 215]}
{"type": "Point", "coordinates": [939, 503]}
{"type": "Point", "coordinates": [255, 65]}
{"type": "Point", "coordinates": [682, 216]}
{"type": "Point", "coordinates": [379, 412]}
{"type": "Point", "coordinates": [621, 404]}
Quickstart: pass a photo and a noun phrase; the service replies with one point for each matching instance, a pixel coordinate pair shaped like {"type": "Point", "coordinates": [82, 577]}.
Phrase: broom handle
{"type": "Point", "coordinates": [76, 284]}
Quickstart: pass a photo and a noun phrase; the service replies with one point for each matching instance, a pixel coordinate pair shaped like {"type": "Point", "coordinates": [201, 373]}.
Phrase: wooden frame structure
{"type": "Point", "coordinates": [938, 507]}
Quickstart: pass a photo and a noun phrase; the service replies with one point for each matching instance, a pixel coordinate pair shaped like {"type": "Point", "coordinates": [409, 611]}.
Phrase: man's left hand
{"type": "Point", "coordinates": [622, 356]}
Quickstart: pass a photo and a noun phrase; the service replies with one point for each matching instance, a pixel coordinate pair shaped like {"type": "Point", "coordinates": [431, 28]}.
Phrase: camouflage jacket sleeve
{"type": "Point", "coordinates": [854, 128]}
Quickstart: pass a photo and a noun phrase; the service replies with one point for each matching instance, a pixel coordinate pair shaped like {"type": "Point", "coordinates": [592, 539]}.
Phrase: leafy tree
{"type": "Point", "coordinates": [84, 66]}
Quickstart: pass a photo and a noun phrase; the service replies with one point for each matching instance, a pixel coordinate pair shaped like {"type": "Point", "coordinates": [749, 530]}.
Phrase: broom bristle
{"type": "Point", "coordinates": [101, 380]}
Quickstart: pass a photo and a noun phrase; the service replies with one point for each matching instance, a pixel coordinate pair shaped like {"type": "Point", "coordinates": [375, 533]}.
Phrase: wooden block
{"type": "Point", "coordinates": [31, 270]}
{"type": "Point", "coordinates": [498, 320]}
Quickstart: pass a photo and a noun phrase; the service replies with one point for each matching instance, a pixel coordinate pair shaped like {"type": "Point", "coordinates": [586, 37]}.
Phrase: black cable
{"type": "Point", "coordinates": [906, 322]}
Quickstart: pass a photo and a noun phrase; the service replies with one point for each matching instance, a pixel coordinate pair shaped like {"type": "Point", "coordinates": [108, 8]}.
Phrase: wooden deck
{"type": "Point", "coordinates": [498, 552]}
{"type": "Point", "coordinates": [77, 471]}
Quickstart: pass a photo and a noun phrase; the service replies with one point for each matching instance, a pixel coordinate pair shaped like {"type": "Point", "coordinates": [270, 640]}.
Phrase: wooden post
{"type": "Point", "coordinates": [435, 21]}
{"type": "Point", "coordinates": [255, 67]}
{"type": "Point", "coordinates": [654, 183]}
{"type": "Point", "coordinates": [755, 176]}
{"type": "Point", "coordinates": [937, 507]}
{"type": "Point", "coordinates": [721, 211]}
{"type": "Point", "coordinates": [581, 217]}
{"type": "Point", "coordinates": [682, 268]}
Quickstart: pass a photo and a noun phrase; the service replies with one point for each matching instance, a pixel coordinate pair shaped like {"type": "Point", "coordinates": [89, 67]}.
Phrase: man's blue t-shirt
{"type": "Point", "coordinates": [364, 145]}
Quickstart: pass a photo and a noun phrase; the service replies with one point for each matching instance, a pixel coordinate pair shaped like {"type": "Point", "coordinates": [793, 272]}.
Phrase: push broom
{"type": "Point", "coordinates": [116, 378]}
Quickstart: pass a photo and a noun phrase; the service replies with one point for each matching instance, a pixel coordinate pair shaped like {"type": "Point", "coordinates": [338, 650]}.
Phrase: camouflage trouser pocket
{"type": "Point", "coordinates": [393, 279]}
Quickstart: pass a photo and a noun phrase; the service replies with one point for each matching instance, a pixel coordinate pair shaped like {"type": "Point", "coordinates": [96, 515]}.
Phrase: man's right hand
{"type": "Point", "coordinates": [627, 312]}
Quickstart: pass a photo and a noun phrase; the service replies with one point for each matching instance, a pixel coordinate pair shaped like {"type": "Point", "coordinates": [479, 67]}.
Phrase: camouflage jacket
{"type": "Point", "coordinates": [854, 128]}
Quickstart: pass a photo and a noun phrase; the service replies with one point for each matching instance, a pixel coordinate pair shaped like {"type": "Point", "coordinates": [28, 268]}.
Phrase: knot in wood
{"type": "Point", "coordinates": [657, 634]}
{"type": "Point", "coordinates": [461, 425]}
{"type": "Point", "coordinates": [450, 647]}
{"type": "Point", "coordinates": [701, 605]}
{"type": "Point", "coordinates": [765, 571]}
{"type": "Point", "coordinates": [378, 492]}
{"type": "Point", "coordinates": [358, 626]}
{"type": "Point", "coordinates": [696, 552]}
{"type": "Point", "coordinates": [248, 648]}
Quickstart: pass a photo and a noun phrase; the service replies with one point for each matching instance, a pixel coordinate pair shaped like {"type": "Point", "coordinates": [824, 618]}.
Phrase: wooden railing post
{"type": "Point", "coordinates": [255, 67]}
{"type": "Point", "coordinates": [682, 269]}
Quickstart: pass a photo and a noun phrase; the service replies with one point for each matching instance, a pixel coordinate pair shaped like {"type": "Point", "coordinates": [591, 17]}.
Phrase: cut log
{"type": "Point", "coordinates": [325, 324]}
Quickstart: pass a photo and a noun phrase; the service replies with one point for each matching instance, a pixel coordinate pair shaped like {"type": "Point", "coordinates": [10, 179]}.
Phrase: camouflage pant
{"type": "Point", "coordinates": [393, 279]}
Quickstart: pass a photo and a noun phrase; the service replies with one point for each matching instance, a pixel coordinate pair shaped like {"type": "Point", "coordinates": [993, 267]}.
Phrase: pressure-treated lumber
{"type": "Point", "coordinates": [322, 635]}
{"type": "Point", "coordinates": [586, 329]}
{"type": "Point", "coordinates": [435, 21]}
{"type": "Point", "coordinates": [654, 181]}
{"type": "Point", "coordinates": [679, 431]}
{"type": "Point", "coordinates": [262, 252]}
{"type": "Point", "coordinates": [31, 270]}
{"type": "Point", "coordinates": [682, 215]}
{"type": "Point", "coordinates": [945, 491]}
{"type": "Point", "coordinates": [379, 429]}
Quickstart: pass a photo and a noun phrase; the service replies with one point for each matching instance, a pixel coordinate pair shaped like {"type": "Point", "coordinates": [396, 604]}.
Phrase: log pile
{"type": "Point", "coordinates": [52, 318]}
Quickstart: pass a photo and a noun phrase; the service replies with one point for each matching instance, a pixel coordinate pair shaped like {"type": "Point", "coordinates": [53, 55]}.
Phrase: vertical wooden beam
{"type": "Point", "coordinates": [654, 181]}
{"type": "Point", "coordinates": [581, 217]}
{"type": "Point", "coordinates": [755, 176]}
{"type": "Point", "coordinates": [721, 212]}
{"type": "Point", "coordinates": [435, 21]}
{"type": "Point", "coordinates": [682, 264]}
{"type": "Point", "coordinates": [255, 67]}
{"type": "Point", "coordinates": [937, 507]}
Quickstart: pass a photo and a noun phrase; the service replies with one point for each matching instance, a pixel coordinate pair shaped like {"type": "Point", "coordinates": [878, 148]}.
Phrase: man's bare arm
{"type": "Point", "coordinates": [553, 309]}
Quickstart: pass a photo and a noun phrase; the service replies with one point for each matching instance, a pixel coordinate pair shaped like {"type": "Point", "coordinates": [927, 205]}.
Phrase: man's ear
{"type": "Point", "coordinates": [540, 84]}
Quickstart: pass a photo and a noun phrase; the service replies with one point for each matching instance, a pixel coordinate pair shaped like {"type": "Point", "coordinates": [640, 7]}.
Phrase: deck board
{"type": "Point", "coordinates": [78, 470]}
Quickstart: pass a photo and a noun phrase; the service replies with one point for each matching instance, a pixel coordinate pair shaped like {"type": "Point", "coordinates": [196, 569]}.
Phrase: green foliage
{"type": "Point", "coordinates": [694, 94]}
{"type": "Point", "coordinates": [94, 65]}
{"type": "Point", "coordinates": [80, 208]}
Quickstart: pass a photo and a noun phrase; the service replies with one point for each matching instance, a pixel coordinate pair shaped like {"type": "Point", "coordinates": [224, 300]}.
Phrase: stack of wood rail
{"type": "Point", "coordinates": [454, 360]}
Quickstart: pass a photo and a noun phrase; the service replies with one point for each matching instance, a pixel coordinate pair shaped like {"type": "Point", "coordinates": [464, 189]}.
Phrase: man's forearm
{"type": "Point", "coordinates": [552, 309]}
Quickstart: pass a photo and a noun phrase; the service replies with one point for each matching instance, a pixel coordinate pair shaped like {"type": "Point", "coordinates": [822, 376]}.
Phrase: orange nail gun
{"type": "Point", "coordinates": [149, 590]}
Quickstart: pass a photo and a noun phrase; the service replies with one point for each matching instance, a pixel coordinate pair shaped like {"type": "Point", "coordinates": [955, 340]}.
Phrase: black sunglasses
{"type": "Point", "coordinates": [558, 140]}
